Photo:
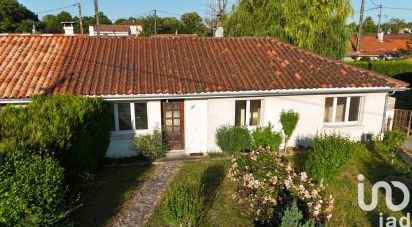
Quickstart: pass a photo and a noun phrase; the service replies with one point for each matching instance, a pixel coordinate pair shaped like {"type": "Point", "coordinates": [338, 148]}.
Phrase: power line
{"type": "Point", "coordinates": [47, 11]}
{"type": "Point", "coordinates": [176, 14]}
{"type": "Point", "coordinates": [373, 3]}
{"type": "Point", "coordinates": [397, 8]}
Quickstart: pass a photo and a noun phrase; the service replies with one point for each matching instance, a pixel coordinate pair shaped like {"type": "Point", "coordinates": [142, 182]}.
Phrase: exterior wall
{"type": "Point", "coordinates": [196, 122]}
{"type": "Point", "coordinates": [311, 109]}
{"type": "Point", "coordinates": [121, 142]}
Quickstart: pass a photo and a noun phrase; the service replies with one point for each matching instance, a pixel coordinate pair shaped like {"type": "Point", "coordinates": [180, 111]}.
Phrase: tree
{"type": "Point", "coordinates": [369, 26]}
{"type": "Point", "coordinates": [316, 25]}
{"type": "Point", "coordinates": [394, 25]}
{"type": "Point", "coordinates": [289, 120]}
{"type": "Point", "coordinates": [52, 23]}
{"type": "Point", "coordinates": [193, 24]}
{"type": "Point", "coordinates": [14, 17]}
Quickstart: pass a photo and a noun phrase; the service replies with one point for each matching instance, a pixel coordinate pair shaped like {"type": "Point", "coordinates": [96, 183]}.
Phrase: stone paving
{"type": "Point", "coordinates": [137, 211]}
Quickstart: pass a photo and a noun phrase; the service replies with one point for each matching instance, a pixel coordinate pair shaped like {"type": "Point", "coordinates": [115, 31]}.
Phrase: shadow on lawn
{"type": "Point", "coordinates": [212, 178]}
{"type": "Point", "coordinates": [103, 197]}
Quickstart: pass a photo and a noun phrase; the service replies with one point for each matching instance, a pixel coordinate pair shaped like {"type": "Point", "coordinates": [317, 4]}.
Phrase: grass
{"type": "Point", "coordinates": [111, 187]}
{"type": "Point", "coordinates": [374, 167]}
{"type": "Point", "coordinates": [220, 208]}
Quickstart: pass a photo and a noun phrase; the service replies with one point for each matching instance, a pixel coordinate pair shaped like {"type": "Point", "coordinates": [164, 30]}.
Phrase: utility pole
{"type": "Point", "coordinates": [80, 17]}
{"type": "Point", "coordinates": [360, 27]}
{"type": "Point", "coordinates": [380, 17]}
{"type": "Point", "coordinates": [155, 24]}
{"type": "Point", "coordinates": [96, 10]}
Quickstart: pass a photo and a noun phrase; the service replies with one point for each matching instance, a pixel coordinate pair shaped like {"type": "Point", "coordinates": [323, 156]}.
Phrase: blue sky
{"type": "Point", "coordinates": [124, 8]}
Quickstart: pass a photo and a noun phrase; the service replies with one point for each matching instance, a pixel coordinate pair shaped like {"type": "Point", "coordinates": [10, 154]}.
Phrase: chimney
{"type": "Point", "coordinates": [380, 36]}
{"type": "Point", "coordinates": [91, 30]}
{"type": "Point", "coordinates": [68, 28]}
{"type": "Point", "coordinates": [219, 32]}
{"type": "Point", "coordinates": [133, 30]}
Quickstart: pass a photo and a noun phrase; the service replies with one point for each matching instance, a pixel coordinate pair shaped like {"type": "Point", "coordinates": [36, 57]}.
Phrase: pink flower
{"type": "Point", "coordinates": [303, 176]}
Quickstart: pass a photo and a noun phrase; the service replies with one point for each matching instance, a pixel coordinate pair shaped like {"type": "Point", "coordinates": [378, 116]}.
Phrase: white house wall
{"type": "Point", "coordinates": [121, 142]}
{"type": "Point", "coordinates": [311, 110]}
{"type": "Point", "coordinates": [196, 121]}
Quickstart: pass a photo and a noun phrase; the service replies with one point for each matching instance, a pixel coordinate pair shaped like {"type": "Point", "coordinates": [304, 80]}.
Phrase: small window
{"type": "Point", "coordinates": [129, 116]}
{"type": "Point", "coordinates": [342, 109]}
{"type": "Point", "coordinates": [247, 112]}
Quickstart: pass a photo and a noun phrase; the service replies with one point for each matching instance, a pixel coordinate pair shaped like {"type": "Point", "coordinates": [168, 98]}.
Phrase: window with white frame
{"type": "Point", "coordinates": [342, 109]}
{"type": "Point", "coordinates": [129, 116]}
{"type": "Point", "coordinates": [247, 112]}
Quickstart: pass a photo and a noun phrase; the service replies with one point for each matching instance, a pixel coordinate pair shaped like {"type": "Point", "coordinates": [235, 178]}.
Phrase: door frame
{"type": "Point", "coordinates": [182, 120]}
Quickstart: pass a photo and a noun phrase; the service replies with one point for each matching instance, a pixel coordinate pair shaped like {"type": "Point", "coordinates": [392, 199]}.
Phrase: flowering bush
{"type": "Point", "coordinates": [267, 185]}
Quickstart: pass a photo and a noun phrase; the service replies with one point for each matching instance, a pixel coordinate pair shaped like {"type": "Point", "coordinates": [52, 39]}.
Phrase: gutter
{"type": "Point", "coordinates": [232, 94]}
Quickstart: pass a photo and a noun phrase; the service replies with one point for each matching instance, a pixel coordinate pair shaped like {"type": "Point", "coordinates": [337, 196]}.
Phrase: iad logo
{"type": "Point", "coordinates": [390, 221]}
{"type": "Point", "coordinates": [388, 190]}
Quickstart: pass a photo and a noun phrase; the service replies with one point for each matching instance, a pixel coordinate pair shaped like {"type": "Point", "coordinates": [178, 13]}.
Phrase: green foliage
{"type": "Point", "coordinates": [330, 154]}
{"type": "Point", "coordinates": [265, 136]}
{"type": "Point", "coordinates": [369, 26]}
{"type": "Point", "coordinates": [391, 143]}
{"type": "Point", "coordinates": [52, 23]}
{"type": "Point", "coordinates": [151, 145]}
{"type": "Point", "coordinates": [316, 25]}
{"type": "Point", "coordinates": [233, 139]}
{"type": "Point", "coordinates": [184, 202]}
{"type": "Point", "coordinates": [32, 189]}
{"type": "Point", "coordinates": [193, 24]}
{"type": "Point", "coordinates": [293, 218]}
{"type": "Point", "coordinates": [76, 130]}
{"type": "Point", "coordinates": [14, 17]}
{"type": "Point", "coordinates": [289, 119]}
{"type": "Point", "coordinates": [390, 68]}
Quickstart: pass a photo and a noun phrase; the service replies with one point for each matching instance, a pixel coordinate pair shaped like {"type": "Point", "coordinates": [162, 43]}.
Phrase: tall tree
{"type": "Point", "coordinates": [193, 24]}
{"type": "Point", "coordinates": [369, 26]}
{"type": "Point", "coordinates": [317, 25]}
{"type": "Point", "coordinates": [395, 25]}
{"type": "Point", "coordinates": [52, 23]}
{"type": "Point", "coordinates": [14, 17]}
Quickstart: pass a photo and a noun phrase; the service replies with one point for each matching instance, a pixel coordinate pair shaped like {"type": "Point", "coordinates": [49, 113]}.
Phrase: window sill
{"type": "Point", "coordinates": [343, 125]}
{"type": "Point", "coordinates": [127, 134]}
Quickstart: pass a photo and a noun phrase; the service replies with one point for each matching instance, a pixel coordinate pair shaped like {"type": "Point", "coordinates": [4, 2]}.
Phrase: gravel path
{"type": "Point", "coordinates": [140, 207]}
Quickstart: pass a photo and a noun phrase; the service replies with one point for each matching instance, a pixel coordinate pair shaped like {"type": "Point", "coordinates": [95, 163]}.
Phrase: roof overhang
{"type": "Point", "coordinates": [232, 94]}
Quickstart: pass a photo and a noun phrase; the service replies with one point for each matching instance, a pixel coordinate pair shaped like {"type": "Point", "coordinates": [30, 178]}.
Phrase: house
{"type": "Point", "coordinates": [190, 85]}
{"type": "Point", "coordinates": [116, 30]}
{"type": "Point", "coordinates": [379, 47]}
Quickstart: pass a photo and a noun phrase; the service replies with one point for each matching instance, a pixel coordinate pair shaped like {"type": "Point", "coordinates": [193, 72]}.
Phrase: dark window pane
{"type": "Point", "coordinates": [240, 113]}
{"type": "Point", "coordinates": [125, 122]}
{"type": "Point", "coordinates": [140, 113]}
{"type": "Point", "coordinates": [328, 110]}
{"type": "Point", "coordinates": [254, 112]}
{"type": "Point", "coordinates": [354, 108]}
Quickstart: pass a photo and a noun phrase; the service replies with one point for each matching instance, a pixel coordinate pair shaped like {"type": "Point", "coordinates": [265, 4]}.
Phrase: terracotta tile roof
{"type": "Point", "coordinates": [114, 28]}
{"type": "Point", "coordinates": [371, 46]}
{"type": "Point", "coordinates": [94, 66]}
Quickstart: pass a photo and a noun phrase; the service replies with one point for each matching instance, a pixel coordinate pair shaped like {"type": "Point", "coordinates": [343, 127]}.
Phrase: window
{"type": "Point", "coordinates": [247, 112]}
{"type": "Point", "coordinates": [341, 109]}
{"type": "Point", "coordinates": [129, 116]}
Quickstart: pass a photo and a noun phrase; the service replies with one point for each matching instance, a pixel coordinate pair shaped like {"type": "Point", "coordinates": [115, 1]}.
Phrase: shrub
{"type": "Point", "coordinates": [390, 68]}
{"type": "Point", "coordinates": [264, 136]}
{"type": "Point", "coordinates": [184, 203]}
{"type": "Point", "coordinates": [32, 189]}
{"type": "Point", "coordinates": [391, 143]}
{"type": "Point", "coordinates": [267, 185]}
{"type": "Point", "coordinates": [76, 130]}
{"type": "Point", "coordinates": [233, 139]}
{"type": "Point", "coordinates": [151, 145]}
{"type": "Point", "coordinates": [293, 218]}
{"type": "Point", "coordinates": [330, 154]}
{"type": "Point", "coordinates": [289, 120]}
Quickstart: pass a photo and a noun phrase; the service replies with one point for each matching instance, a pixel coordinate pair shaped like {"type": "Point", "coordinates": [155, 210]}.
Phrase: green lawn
{"type": "Point", "coordinates": [344, 188]}
{"type": "Point", "coordinates": [103, 197]}
{"type": "Point", "coordinates": [221, 209]}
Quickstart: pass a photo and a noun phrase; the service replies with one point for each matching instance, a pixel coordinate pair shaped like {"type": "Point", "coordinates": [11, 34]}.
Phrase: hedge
{"type": "Point", "coordinates": [74, 129]}
{"type": "Point", "coordinates": [32, 189]}
{"type": "Point", "coordinates": [390, 68]}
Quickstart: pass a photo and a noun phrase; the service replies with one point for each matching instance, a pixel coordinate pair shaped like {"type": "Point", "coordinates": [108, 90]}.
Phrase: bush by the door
{"type": "Point", "coordinates": [233, 139]}
{"type": "Point", "coordinates": [152, 145]}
